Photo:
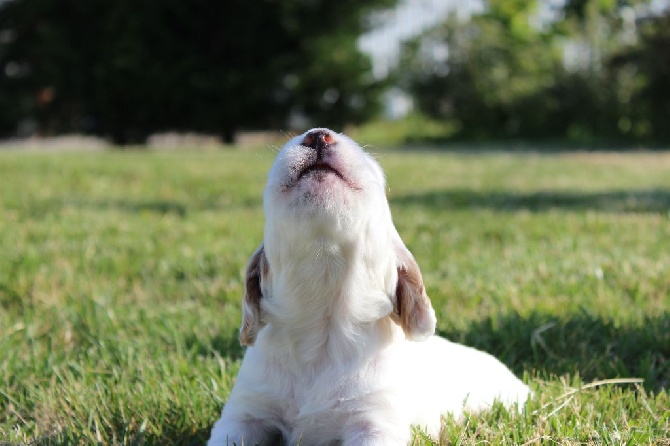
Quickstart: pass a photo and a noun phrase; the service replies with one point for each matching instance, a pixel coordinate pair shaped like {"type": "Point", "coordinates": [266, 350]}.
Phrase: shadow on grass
{"type": "Point", "coordinates": [177, 208]}
{"type": "Point", "coordinates": [226, 346]}
{"type": "Point", "coordinates": [162, 207]}
{"type": "Point", "coordinates": [184, 436]}
{"type": "Point", "coordinates": [643, 200]}
{"type": "Point", "coordinates": [582, 344]}
{"type": "Point", "coordinates": [465, 145]}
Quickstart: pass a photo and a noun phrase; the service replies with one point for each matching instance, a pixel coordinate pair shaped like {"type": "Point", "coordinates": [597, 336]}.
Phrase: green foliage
{"type": "Point", "coordinates": [121, 282]}
{"type": "Point", "coordinates": [413, 128]}
{"type": "Point", "coordinates": [497, 63]}
{"type": "Point", "coordinates": [127, 68]}
{"type": "Point", "coordinates": [642, 72]}
{"type": "Point", "coordinates": [593, 72]}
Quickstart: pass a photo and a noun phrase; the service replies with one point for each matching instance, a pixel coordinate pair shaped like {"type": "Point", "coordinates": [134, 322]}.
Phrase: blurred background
{"type": "Point", "coordinates": [390, 71]}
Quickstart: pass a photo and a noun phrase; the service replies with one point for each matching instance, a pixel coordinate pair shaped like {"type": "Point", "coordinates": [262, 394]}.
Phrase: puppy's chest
{"type": "Point", "coordinates": [317, 404]}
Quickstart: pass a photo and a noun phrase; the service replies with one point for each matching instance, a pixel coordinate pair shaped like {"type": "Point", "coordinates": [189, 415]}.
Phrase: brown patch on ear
{"type": "Point", "coordinates": [412, 308]}
{"type": "Point", "coordinates": [258, 269]}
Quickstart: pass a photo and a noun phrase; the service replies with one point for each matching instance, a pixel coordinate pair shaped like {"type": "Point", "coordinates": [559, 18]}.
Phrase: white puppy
{"type": "Point", "coordinates": [337, 322]}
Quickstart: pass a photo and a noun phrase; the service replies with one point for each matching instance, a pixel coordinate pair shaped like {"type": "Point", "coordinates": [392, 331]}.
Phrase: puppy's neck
{"type": "Point", "coordinates": [328, 296]}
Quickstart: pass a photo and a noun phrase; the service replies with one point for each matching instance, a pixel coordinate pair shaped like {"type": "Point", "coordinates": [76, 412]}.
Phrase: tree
{"type": "Point", "coordinates": [126, 68]}
{"type": "Point", "coordinates": [496, 63]}
{"type": "Point", "coordinates": [642, 73]}
{"type": "Point", "coordinates": [506, 75]}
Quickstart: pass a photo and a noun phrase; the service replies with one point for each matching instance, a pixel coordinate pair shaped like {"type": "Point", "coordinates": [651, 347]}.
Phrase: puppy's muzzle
{"type": "Point", "coordinates": [322, 158]}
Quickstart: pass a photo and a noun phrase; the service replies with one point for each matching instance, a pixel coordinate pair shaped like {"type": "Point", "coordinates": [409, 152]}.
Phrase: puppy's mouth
{"type": "Point", "coordinates": [318, 169]}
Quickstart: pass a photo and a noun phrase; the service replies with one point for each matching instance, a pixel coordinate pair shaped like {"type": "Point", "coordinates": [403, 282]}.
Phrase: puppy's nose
{"type": "Point", "coordinates": [318, 140]}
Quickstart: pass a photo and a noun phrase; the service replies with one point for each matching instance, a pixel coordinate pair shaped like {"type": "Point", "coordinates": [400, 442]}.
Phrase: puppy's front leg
{"type": "Point", "coordinates": [370, 433]}
{"type": "Point", "coordinates": [242, 431]}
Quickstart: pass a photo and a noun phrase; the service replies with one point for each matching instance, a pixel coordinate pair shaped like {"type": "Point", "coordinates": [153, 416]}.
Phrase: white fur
{"type": "Point", "coordinates": [339, 328]}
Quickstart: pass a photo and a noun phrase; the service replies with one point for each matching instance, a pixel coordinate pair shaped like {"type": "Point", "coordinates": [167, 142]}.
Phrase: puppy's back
{"type": "Point", "coordinates": [444, 377]}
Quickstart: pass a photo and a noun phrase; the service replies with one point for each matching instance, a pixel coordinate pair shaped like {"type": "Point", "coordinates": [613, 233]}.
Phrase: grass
{"type": "Point", "coordinates": [412, 129]}
{"type": "Point", "coordinates": [121, 279]}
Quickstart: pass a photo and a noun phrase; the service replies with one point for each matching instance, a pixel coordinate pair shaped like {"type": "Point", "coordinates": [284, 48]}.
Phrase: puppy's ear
{"type": "Point", "coordinates": [412, 308]}
{"type": "Point", "coordinates": [257, 270]}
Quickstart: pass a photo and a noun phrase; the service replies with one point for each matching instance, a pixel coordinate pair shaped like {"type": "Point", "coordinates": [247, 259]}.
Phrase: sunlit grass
{"type": "Point", "coordinates": [121, 278]}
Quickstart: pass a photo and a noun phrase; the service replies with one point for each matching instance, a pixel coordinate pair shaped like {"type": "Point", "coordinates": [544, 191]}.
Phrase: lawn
{"type": "Point", "coordinates": [121, 281]}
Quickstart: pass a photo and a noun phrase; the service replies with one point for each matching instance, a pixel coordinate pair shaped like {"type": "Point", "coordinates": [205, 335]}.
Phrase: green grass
{"type": "Point", "coordinates": [414, 128]}
{"type": "Point", "coordinates": [121, 280]}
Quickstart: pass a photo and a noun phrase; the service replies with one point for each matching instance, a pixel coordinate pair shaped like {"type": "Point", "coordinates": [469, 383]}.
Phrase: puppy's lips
{"type": "Point", "coordinates": [320, 166]}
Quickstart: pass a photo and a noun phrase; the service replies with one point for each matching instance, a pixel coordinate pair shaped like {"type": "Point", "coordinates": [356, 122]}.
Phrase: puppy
{"type": "Point", "coordinates": [336, 318]}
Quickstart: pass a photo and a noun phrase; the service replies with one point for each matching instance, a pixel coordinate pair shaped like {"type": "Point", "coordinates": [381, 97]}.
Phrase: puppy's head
{"type": "Point", "coordinates": [323, 185]}
{"type": "Point", "coordinates": [323, 177]}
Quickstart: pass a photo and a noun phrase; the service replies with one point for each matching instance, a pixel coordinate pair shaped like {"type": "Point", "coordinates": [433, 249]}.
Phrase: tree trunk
{"type": "Point", "coordinates": [228, 135]}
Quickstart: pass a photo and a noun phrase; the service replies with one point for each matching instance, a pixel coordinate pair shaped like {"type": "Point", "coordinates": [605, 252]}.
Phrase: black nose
{"type": "Point", "coordinates": [318, 140]}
